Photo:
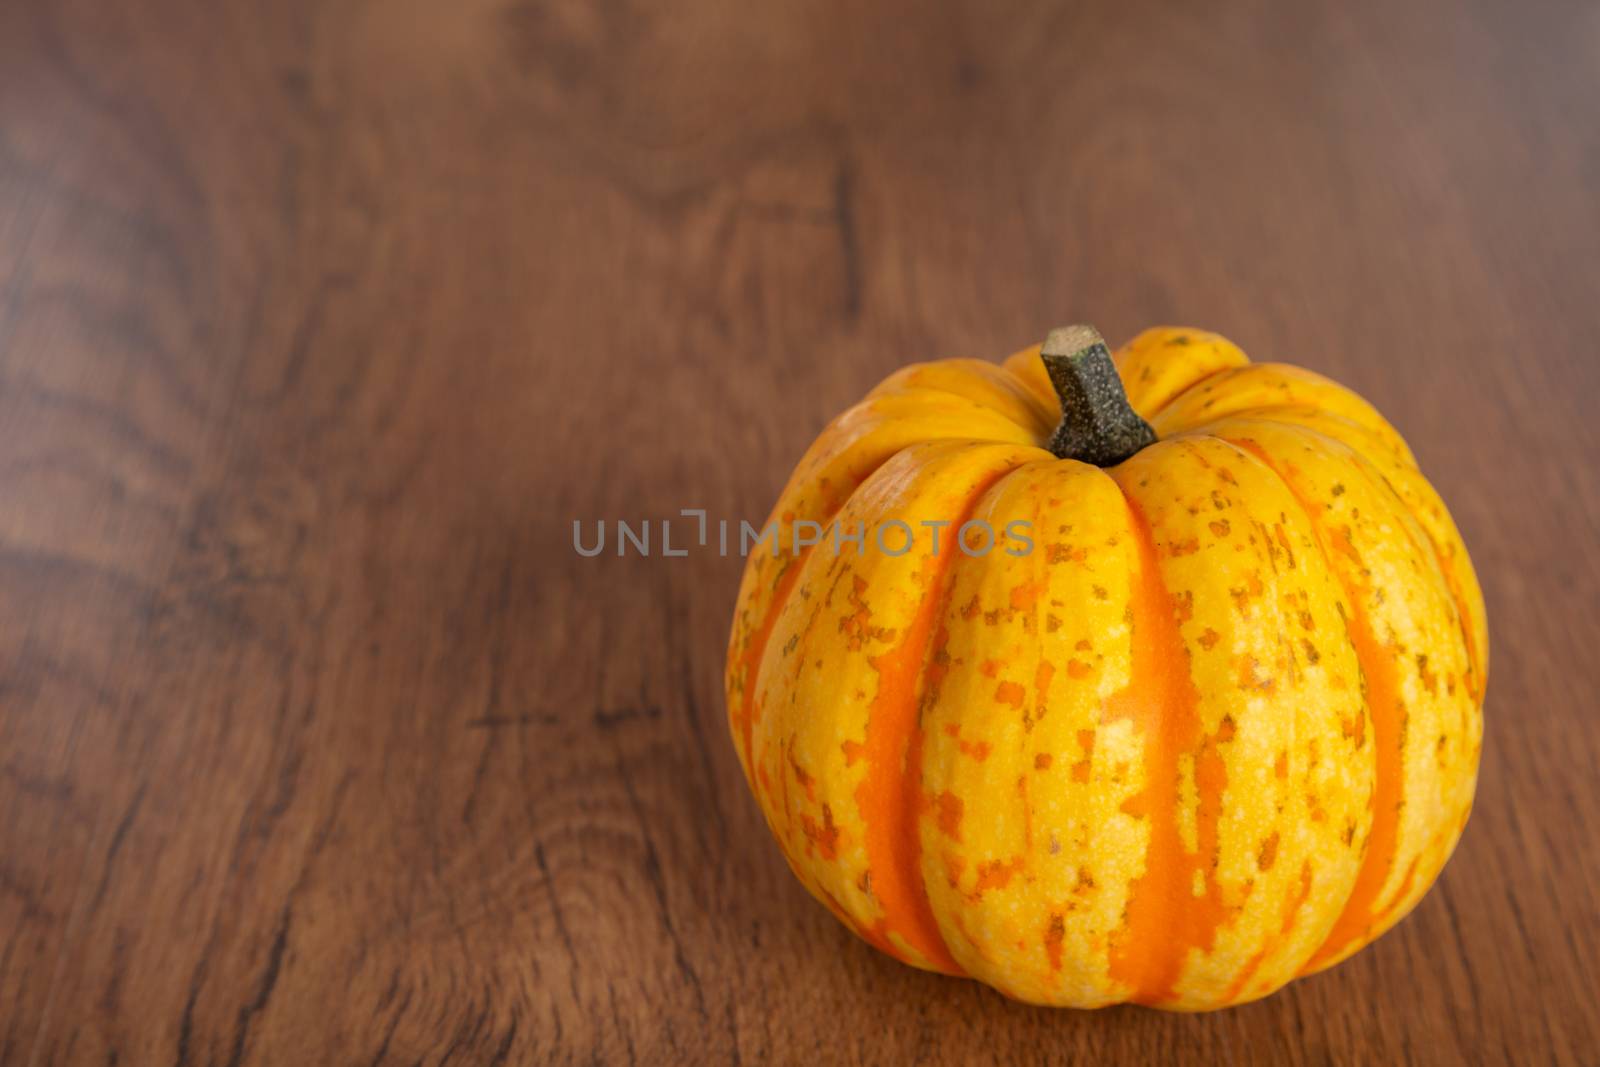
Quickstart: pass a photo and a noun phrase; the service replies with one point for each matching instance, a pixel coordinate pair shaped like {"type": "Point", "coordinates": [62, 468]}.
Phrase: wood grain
{"type": "Point", "coordinates": [319, 323]}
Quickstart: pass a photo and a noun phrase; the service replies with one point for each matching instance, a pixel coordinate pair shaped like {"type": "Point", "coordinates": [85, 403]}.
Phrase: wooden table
{"type": "Point", "coordinates": [319, 323]}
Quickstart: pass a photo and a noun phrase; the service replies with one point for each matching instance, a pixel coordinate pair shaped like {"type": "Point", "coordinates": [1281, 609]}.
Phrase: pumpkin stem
{"type": "Point", "coordinates": [1097, 424]}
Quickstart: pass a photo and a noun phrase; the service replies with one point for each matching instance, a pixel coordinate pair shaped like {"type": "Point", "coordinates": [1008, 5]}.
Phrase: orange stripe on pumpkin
{"type": "Point", "coordinates": [1164, 917]}
{"type": "Point", "coordinates": [1383, 701]}
{"type": "Point", "coordinates": [890, 795]}
{"type": "Point", "coordinates": [1383, 706]}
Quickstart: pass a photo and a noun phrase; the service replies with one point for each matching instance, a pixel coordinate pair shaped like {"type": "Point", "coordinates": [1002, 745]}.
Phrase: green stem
{"type": "Point", "coordinates": [1097, 424]}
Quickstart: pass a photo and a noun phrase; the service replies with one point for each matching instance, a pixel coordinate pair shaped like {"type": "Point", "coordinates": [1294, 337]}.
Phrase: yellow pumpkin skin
{"type": "Point", "coordinates": [1218, 729]}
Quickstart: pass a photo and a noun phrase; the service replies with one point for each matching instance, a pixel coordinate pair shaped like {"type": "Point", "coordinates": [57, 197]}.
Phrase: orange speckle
{"type": "Point", "coordinates": [1062, 553]}
{"type": "Point", "coordinates": [853, 751]}
{"type": "Point", "coordinates": [1268, 854]}
{"type": "Point", "coordinates": [1209, 639]}
{"type": "Point", "coordinates": [1078, 669]}
{"type": "Point", "coordinates": [989, 668]}
{"type": "Point", "coordinates": [1026, 595]}
{"type": "Point", "coordinates": [997, 874]}
{"type": "Point", "coordinates": [949, 810]}
{"type": "Point", "coordinates": [954, 866]}
{"type": "Point", "coordinates": [1430, 680]}
{"type": "Point", "coordinates": [1220, 527]}
{"type": "Point", "coordinates": [857, 625]}
{"type": "Point", "coordinates": [824, 837]}
{"type": "Point", "coordinates": [1082, 770]}
{"type": "Point", "coordinates": [1042, 761]}
{"type": "Point", "coordinates": [1340, 539]}
{"type": "Point", "coordinates": [1354, 728]}
{"type": "Point", "coordinates": [1053, 936]}
{"type": "Point", "coordinates": [978, 750]}
{"type": "Point", "coordinates": [808, 783]}
{"type": "Point", "coordinates": [1250, 676]}
{"type": "Point", "coordinates": [1283, 541]}
{"type": "Point", "coordinates": [1009, 693]}
{"type": "Point", "coordinates": [1280, 766]}
{"type": "Point", "coordinates": [1185, 606]}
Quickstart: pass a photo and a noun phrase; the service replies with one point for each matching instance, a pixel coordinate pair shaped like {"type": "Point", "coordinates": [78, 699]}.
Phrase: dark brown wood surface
{"type": "Point", "coordinates": [320, 323]}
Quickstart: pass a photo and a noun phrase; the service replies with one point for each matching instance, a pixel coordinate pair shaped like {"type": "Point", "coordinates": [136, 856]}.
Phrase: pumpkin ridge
{"type": "Point", "coordinates": [1358, 916]}
{"type": "Point", "coordinates": [756, 646]}
{"type": "Point", "coordinates": [990, 373]}
{"type": "Point", "coordinates": [1163, 921]}
{"type": "Point", "coordinates": [1374, 474]}
{"type": "Point", "coordinates": [917, 392]}
{"type": "Point", "coordinates": [1270, 413]}
{"type": "Point", "coordinates": [1417, 535]}
{"type": "Point", "coordinates": [1452, 582]}
{"type": "Point", "coordinates": [890, 795]}
{"type": "Point", "coordinates": [1155, 412]}
{"type": "Point", "coordinates": [1148, 360]}
{"type": "Point", "coordinates": [1326, 397]}
{"type": "Point", "coordinates": [1468, 607]}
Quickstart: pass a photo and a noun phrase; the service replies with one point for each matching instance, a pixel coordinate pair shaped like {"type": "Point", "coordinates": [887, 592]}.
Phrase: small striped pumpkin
{"type": "Point", "coordinates": [1205, 719]}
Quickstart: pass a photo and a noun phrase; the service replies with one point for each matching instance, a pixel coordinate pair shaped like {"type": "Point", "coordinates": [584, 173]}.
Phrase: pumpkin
{"type": "Point", "coordinates": [1205, 718]}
